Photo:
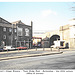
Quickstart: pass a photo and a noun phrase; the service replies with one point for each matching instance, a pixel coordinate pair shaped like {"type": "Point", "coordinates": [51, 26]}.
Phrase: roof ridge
{"type": "Point", "coordinates": [16, 21]}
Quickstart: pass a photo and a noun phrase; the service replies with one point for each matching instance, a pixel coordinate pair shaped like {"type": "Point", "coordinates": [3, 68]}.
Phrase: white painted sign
{"type": "Point", "coordinates": [27, 32]}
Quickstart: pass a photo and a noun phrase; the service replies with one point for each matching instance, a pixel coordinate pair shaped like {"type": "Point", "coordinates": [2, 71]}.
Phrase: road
{"type": "Point", "coordinates": [57, 61]}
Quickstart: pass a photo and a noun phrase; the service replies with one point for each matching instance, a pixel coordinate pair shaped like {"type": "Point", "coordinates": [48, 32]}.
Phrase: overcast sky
{"type": "Point", "coordinates": [45, 15]}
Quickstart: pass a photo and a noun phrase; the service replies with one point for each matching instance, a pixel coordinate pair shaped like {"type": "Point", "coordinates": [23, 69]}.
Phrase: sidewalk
{"type": "Point", "coordinates": [27, 53]}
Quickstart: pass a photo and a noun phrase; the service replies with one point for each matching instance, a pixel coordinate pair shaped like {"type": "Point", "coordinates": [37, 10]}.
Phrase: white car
{"type": "Point", "coordinates": [8, 48]}
{"type": "Point", "coordinates": [53, 46]}
{"type": "Point", "coordinates": [57, 47]}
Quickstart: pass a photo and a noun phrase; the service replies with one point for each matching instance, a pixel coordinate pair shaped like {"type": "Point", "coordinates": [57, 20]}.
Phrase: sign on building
{"type": "Point", "coordinates": [27, 32]}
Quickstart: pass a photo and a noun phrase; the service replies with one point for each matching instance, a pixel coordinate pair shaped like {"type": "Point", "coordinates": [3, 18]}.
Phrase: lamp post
{"type": "Point", "coordinates": [12, 36]}
{"type": "Point", "coordinates": [17, 34]}
{"type": "Point", "coordinates": [31, 42]}
{"type": "Point", "coordinates": [49, 42]}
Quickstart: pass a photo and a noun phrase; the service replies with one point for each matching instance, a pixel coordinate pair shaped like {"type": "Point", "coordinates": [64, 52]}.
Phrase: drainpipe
{"type": "Point", "coordinates": [31, 35]}
{"type": "Point", "coordinates": [12, 36]}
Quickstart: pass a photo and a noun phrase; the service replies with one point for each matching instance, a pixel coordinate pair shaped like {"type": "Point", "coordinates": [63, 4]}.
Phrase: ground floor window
{"type": "Point", "coordinates": [4, 36]}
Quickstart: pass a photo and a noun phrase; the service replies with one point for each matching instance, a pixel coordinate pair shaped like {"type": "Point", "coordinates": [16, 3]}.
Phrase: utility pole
{"type": "Point", "coordinates": [16, 34]}
{"type": "Point", "coordinates": [31, 34]}
{"type": "Point", "coordinates": [12, 36]}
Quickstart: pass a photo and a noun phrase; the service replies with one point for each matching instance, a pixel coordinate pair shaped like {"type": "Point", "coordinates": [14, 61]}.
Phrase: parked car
{"type": "Point", "coordinates": [21, 48]}
{"type": "Point", "coordinates": [53, 46]}
{"type": "Point", "coordinates": [1, 49]}
{"type": "Point", "coordinates": [57, 47]}
{"type": "Point", "coordinates": [8, 48]}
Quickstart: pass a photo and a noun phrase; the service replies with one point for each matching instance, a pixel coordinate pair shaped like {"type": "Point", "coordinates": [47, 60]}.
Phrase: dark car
{"type": "Point", "coordinates": [1, 49]}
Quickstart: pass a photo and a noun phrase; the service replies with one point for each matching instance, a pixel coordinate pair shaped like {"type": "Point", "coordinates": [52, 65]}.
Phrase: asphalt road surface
{"type": "Point", "coordinates": [57, 61]}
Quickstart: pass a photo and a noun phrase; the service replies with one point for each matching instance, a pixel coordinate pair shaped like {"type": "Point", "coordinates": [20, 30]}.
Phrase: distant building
{"type": "Point", "coordinates": [45, 43]}
{"type": "Point", "coordinates": [65, 33]}
{"type": "Point", "coordinates": [16, 33]}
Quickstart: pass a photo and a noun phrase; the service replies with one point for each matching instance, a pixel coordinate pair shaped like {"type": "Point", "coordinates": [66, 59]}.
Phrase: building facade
{"type": "Point", "coordinates": [16, 33]}
{"type": "Point", "coordinates": [5, 31]}
{"type": "Point", "coordinates": [65, 33]}
{"type": "Point", "coordinates": [23, 37]}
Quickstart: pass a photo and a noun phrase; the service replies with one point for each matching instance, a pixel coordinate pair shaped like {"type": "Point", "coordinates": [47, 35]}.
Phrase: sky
{"type": "Point", "coordinates": [46, 16]}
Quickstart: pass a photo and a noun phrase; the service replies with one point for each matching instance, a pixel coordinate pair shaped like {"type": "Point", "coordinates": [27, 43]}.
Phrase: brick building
{"type": "Point", "coordinates": [5, 31]}
{"type": "Point", "coordinates": [23, 37]}
{"type": "Point", "coordinates": [16, 33]}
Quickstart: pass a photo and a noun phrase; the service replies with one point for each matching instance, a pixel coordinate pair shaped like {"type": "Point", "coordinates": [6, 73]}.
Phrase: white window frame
{"type": "Point", "coordinates": [4, 29]}
{"type": "Point", "coordinates": [10, 29]}
{"type": "Point", "coordinates": [15, 37]}
{"type": "Point", "coordinates": [4, 36]}
{"type": "Point", "coordinates": [15, 30]}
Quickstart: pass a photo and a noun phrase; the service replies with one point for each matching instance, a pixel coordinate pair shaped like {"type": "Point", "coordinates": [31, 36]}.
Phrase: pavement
{"type": "Point", "coordinates": [6, 55]}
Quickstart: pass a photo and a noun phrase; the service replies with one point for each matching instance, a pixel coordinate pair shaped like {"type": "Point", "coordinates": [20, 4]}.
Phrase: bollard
{"type": "Point", "coordinates": [58, 49]}
{"type": "Point", "coordinates": [18, 49]}
{"type": "Point", "coordinates": [51, 48]}
{"type": "Point", "coordinates": [36, 48]}
{"type": "Point", "coordinates": [27, 48]}
{"type": "Point", "coordinates": [7, 50]}
{"type": "Point", "coordinates": [43, 48]}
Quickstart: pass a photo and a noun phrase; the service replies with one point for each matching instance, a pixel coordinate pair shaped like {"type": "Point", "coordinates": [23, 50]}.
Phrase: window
{"type": "Point", "coordinates": [4, 29]}
{"type": "Point", "coordinates": [15, 37]}
{"type": "Point", "coordinates": [15, 30]}
{"type": "Point", "coordinates": [20, 32]}
{"type": "Point", "coordinates": [4, 36]}
{"type": "Point", "coordinates": [10, 30]}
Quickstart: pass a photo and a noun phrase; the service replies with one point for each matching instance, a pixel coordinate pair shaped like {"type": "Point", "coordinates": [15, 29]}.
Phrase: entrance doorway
{"type": "Point", "coordinates": [54, 38]}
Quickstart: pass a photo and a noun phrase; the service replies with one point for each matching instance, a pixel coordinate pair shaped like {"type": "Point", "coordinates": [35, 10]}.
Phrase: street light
{"type": "Point", "coordinates": [12, 36]}
{"type": "Point", "coordinates": [49, 43]}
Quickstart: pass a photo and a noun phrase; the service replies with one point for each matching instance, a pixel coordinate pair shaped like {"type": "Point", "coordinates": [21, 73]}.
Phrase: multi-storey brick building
{"type": "Point", "coordinates": [16, 33]}
{"type": "Point", "coordinates": [5, 31]}
{"type": "Point", "coordinates": [24, 34]}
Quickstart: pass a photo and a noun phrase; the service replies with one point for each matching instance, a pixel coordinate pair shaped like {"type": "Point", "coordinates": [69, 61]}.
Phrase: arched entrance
{"type": "Point", "coordinates": [54, 38]}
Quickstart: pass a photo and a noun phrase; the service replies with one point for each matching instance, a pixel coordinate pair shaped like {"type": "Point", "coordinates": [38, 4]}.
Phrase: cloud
{"type": "Point", "coordinates": [46, 13]}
